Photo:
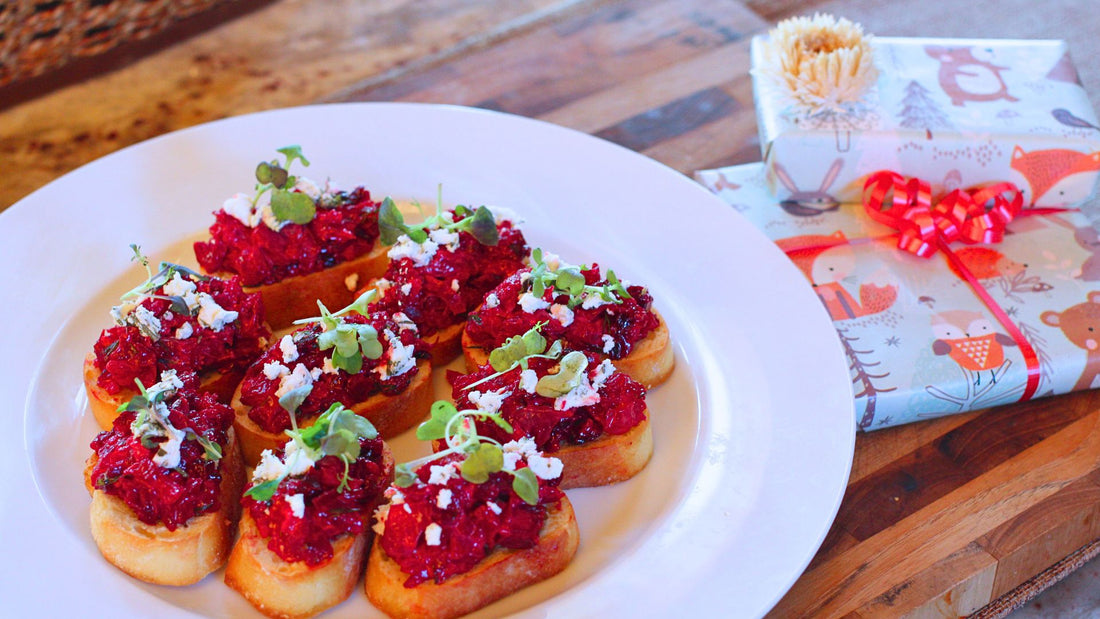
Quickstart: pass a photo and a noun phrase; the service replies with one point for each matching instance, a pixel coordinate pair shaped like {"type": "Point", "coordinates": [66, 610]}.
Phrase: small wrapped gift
{"type": "Point", "coordinates": [933, 327]}
{"type": "Point", "coordinates": [834, 106]}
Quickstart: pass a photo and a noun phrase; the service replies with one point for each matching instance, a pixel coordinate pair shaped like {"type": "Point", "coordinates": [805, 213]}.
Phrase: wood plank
{"type": "Point", "coordinates": [956, 586]}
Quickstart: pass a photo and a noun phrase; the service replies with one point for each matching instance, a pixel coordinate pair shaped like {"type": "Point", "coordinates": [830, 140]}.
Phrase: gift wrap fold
{"type": "Point", "coordinates": [955, 112]}
{"type": "Point", "coordinates": [921, 341]}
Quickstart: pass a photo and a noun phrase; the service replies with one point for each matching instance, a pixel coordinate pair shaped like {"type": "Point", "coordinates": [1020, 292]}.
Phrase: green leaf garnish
{"type": "Point", "coordinates": [391, 224]}
{"type": "Point", "coordinates": [569, 280]}
{"type": "Point", "coordinates": [570, 370]}
{"type": "Point", "coordinates": [516, 350]}
{"type": "Point", "coordinates": [264, 491]}
{"type": "Point", "coordinates": [481, 224]}
{"type": "Point", "coordinates": [485, 459]}
{"type": "Point", "coordinates": [293, 152]}
{"type": "Point", "coordinates": [350, 342]}
{"type": "Point", "coordinates": [149, 424]}
{"type": "Point", "coordinates": [526, 485]}
{"type": "Point", "coordinates": [292, 400]}
{"type": "Point", "coordinates": [435, 428]}
{"type": "Point", "coordinates": [483, 227]}
{"type": "Point", "coordinates": [293, 206]}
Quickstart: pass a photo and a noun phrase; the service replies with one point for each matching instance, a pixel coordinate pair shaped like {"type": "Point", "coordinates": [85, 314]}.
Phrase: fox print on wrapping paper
{"type": "Point", "coordinates": [1057, 176]}
{"type": "Point", "coordinates": [965, 78]}
{"type": "Point", "coordinates": [969, 339]}
{"type": "Point", "coordinates": [1081, 326]}
{"type": "Point", "coordinates": [809, 203]}
{"type": "Point", "coordinates": [828, 261]}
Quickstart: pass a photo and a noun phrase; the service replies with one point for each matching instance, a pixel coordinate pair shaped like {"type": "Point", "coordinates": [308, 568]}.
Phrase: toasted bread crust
{"type": "Point", "coordinates": [105, 405]}
{"type": "Point", "coordinates": [500, 574]}
{"type": "Point", "coordinates": [156, 555]}
{"type": "Point", "coordinates": [650, 363]}
{"type": "Point", "coordinates": [445, 345]}
{"type": "Point", "coordinates": [608, 460]}
{"type": "Point", "coordinates": [296, 297]}
{"type": "Point", "coordinates": [391, 415]}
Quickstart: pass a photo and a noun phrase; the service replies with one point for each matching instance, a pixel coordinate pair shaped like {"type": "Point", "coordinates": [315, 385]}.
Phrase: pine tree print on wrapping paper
{"type": "Point", "coordinates": [863, 377]}
{"type": "Point", "coordinates": [920, 111]}
{"type": "Point", "coordinates": [1038, 344]}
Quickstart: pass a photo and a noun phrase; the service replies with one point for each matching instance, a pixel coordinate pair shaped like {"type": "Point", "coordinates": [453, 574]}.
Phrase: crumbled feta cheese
{"type": "Point", "coordinates": [179, 287]}
{"type": "Point", "coordinates": [275, 370]}
{"type": "Point", "coordinates": [269, 467]}
{"type": "Point", "coordinates": [528, 380]}
{"type": "Point", "coordinates": [184, 331]}
{"type": "Point", "coordinates": [404, 323]}
{"type": "Point", "coordinates": [490, 401]}
{"type": "Point", "coordinates": [146, 322]}
{"type": "Point", "coordinates": [443, 498]}
{"type": "Point", "coordinates": [288, 348]}
{"type": "Point", "coordinates": [297, 505]}
{"type": "Point", "coordinates": [308, 187]}
{"type": "Point", "coordinates": [492, 300]}
{"type": "Point", "coordinates": [213, 315]}
{"type": "Point", "coordinates": [240, 207]}
{"type": "Point", "coordinates": [524, 446]}
{"type": "Point", "coordinates": [383, 286]}
{"type": "Point", "coordinates": [562, 314]}
{"type": "Point", "coordinates": [420, 253]}
{"type": "Point", "coordinates": [543, 467]}
{"type": "Point", "coordinates": [592, 300]}
{"type": "Point", "coordinates": [120, 312]}
{"type": "Point", "coordinates": [444, 238]}
{"type": "Point", "coordinates": [270, 220]}
{"type": "Point", "coordinates": [510, 460]}
{"type": "Point", "coordinates": [297, 459]}
{"type": "Point", "coordinates": [493, 507]}
{"type": "Point", "coordinates": [503, 213]}
{"type": "Point", "coordinates": [393, 495]}
{"type": "Point", "coordinates": [315, 373]}
{"type": "Point", "coordinates": [168, 452]}
{"type": "Point", "coordinates": [440, 474]}
{"type": "Point", "coordinates": [603, 372]}
{"type": "Point", "coordinates": [581, 395]}
{"type": "Point", "coordinates": [327, 367]}
{"type": "Point", "coordinates": [531, 304]}
{"type": "Point", "coordinates": [552, 260]}
{"type": "Point", "coordinates": [169, 383]}
{"type": "Point", "coordinates": [454, 285]}
{"type": "Point", "coordinates": [406, 288]}
{"type": "Point", "coordinates": [300, 377]}
{"type": "Point", "coordinates": [351, 282]}
{"type": "Point", "coordinates": [608, 343]}
{"type": "Point", "coordinates": [400, 359]}
{"type": "Point", "coordinates": [432, 534]}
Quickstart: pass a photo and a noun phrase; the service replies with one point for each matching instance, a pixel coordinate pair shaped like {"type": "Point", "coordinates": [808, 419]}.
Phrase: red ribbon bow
{"type": "Point", "coordinates": [971, 216]}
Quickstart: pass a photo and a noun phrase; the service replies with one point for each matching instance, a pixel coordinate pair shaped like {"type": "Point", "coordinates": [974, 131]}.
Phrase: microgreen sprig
{"type": "Point", "coordinates": [350, 342]}
{"type": "Point", "coordinates": [480, 223]}
{"type": "Point", "coordinates": [335, 433]}
{"type": "Point", "coordinates": [483, 455]}
{"type": "Point", "coordinates": [286, 205]}
{"type": "Point", "coordinates": [156, 280]}
{"type": "Point", "coordinates": [150, 423]}
{"type": "Point", "coordinates": [568, 279]}
{"type": "Point", "coordinates": [517, 350]}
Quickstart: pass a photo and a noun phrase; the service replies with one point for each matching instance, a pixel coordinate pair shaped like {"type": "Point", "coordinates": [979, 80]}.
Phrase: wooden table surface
{"type": "Point", "coordinates": [939, 517]}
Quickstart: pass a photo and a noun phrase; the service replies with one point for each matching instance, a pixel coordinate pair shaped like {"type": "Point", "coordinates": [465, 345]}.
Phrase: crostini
{"type": "Point", "coordinates": [165, 482]}
{"type": "Point", "coordinates": [469, 525]}
{"type": "Point", "coordinates": [586, 312]}
{"type": "Point", "coordinates": [441, 268]}
{"type": "Point", "coordinates": [582, 411]}
{"type": "Point", "coordinates": [295, 242]}
{"type": "Point", "coordinates": [307, 517]}
{"type": "Point", "coordinates": [373, 362]}
{"type": "Point", "coordinates": [180, 320]}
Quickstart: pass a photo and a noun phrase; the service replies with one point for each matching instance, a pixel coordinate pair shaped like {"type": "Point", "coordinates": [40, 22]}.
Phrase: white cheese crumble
{"type": "Point", "coordinates": [406, 288]}
{"type": "Point", "coordinates": [182, 288]}
{"type": "Point", "coordinates": [492, 300]}
{"type": "Point", "coordinates": [531, 304]}
{"type": "Point", "coordinates": [169, 382]}
{"type": "Point", "coordinates": [420, 253]}
{"type": "Point", "coordinates": [524, 448]}
{"type": "Point", "coordinates": [493, 507]}
{"type": "Point", "coordinates": [213, 315]}
{"type": "Point", "coordinates": [432, 534]}
{"type": "Point", "coordinates": [584, 394]}
{"type": "Point", "coordinates": [404, 323]}
{"type": "Point", "coordinates": [240, 207]}
{"type": "Point", "coordinates": [146, 321]}
{"type": "Point", "coordinates": [502, 214]}
{"type": "Point", "coordinates": [297, 505]}
{"type": "Point", "coordinates": [562, 314]}
{"type": "Point", "coordinates": [444, 238]}
{"type": "Point", "coordinates": [440, 474]}
{"type": "Point", "coordinates": [299, 377]}
{"type": "Point", "coordinates": [296, 461]}
{"type": "Point", "coordinates": [382, 285]}
{"type": "Point", "coordinates": [288, 348]}
{"type": "Point", "coordinates": [443, 498]}
{"type": "Point", "coordinates": [593, 300]}
{"type": "Point", "coordinates": [608, 343]}
{"type": "Point", "coordinates": [454, 285]}
{"type": "Point", "coordinates": [351, 282]}
{"type": "Point", "coordinates": [528, 380]}
{"type": "Point", "coordinates": [275, 370]}
{"type": "Point", "coordinates": [184, 331]}
{"type": "Point", "coordinates": [544, 468]}
{"type": "Point", "coordinates": [400, 359]}
{"type": "Point", "coordinates": [490, 401]}
{"type": "Point", "coordinates": [327, 367]}
{"type": "Point", "coordinates": [168, 452]}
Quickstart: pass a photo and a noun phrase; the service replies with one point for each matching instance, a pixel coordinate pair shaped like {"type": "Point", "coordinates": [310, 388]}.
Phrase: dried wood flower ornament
{"type": "Point", "coordinates": [821, 63]}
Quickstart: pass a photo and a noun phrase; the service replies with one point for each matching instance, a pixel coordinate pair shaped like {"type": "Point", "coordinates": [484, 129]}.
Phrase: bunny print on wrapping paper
{"type": "Point", "coordinates": [809, 203]}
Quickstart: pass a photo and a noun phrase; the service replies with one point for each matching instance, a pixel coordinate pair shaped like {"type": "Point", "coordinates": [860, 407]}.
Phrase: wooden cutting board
{"type": "Point", "coordinates": [940, 517]}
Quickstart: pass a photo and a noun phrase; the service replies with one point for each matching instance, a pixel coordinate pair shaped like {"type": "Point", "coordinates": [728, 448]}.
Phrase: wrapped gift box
{"type": "Point", "coordinates": [919, 340]}
{"type": "Point", "coordinates": [958, 113]}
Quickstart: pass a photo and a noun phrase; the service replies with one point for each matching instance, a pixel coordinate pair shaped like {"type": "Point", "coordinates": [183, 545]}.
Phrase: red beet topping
{"type": "Point", "coordinates": [627, 323]}
{"type": "Point", "coordinates": [125, 469]}
{"type": "Point", "coordinates": [258, 391]}
{"type": "Point", "coordinates": [123, 353]}
{"type": "Point", "coordinates": [621, 407]}
{"type": "Point", "coordinates": [260, 255]}
{"type": "Point", "coordinates": [431, 301]}
{"type": "Point", "coordinates": [470, 527]}
{"type": "Point", "coordinates": [328, 513]}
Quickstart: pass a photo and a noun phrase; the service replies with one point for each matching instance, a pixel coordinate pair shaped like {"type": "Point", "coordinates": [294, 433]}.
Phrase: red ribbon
{"type": "Point", "coordinates": [971, 216]}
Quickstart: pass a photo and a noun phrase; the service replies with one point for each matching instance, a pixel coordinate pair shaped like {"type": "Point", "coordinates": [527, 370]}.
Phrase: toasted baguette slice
{"type": "Point", "coordinates": [105, 405]}
{"type": "Point", "coordinates": [296, 297]}
{"type": "Point", "coordinates": [608, 460]}
{"type": "Point", "coordinates": [390, 415]}
{"type": "Point", "coordinates": [498, 575]}
{"type": "Point", "coordinates": [156, 555]}
{"type": "Point", "coordinates": [445, 345]}
{"type": "Point", "coordinates": [650, 363]}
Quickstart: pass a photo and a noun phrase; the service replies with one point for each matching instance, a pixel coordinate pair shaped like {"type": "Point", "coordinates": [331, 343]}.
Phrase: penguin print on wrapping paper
{"type": "Point", "coordinates": [970, 340]}
{"type": "Point", "coordinates": [1055, 177]}
{"type": "Point", "coordinates": [830, 264]}
{"type": "Point", "coordinates": [963, 77]}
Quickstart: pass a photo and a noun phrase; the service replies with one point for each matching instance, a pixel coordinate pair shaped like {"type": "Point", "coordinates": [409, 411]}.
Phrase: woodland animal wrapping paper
{"type": "Point", "coordinates": [954, 112]}
{"type": "Point", "coordinates": [919, 341]}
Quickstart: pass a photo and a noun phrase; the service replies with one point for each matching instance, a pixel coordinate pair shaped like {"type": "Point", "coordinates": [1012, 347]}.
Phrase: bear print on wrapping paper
{"type": "Point", "coordinates": [1053, 174]}
{"type": "Point", "coordinates": [965, 78]}
{"type": "Point", "coordinates": [1081, 326]}
{"type": "Point", "coordinates": [829, 263]}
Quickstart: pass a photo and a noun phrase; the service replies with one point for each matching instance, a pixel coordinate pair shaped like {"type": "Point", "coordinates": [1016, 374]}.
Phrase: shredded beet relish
{"type": "Point", "coordinates": [328, 513]}
{"type": "Point", "coordinates": [338, 232]}
{"type": "Point", "coordinates": [621, 407]}
{"type": "Point", "coordinates": [123, 353]}
{"type": "Point", "coordinates": [627, 323]}
{"type": "Point", "coordinates": [258, 391]}
{"type": "Point", "coordinates": [431, 301]}
{"type": "Point", "coordinates": [471, 529]}
{"type": "Point", "coordinates": [125, 469]}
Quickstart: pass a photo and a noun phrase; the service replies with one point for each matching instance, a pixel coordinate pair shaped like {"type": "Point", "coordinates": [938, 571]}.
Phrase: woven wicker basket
{"type": "Point", "coordinates": [38, 36]}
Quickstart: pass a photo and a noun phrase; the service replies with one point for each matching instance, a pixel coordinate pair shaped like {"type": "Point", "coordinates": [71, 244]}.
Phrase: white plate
{"type": "Point", "coordinates": [754, 433]}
